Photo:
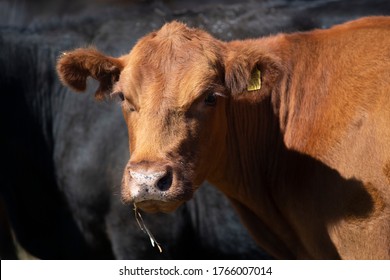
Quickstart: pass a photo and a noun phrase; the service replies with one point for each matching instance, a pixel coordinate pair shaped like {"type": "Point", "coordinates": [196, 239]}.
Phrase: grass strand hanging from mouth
{"type": "Point", "coordinates": [143, 227]}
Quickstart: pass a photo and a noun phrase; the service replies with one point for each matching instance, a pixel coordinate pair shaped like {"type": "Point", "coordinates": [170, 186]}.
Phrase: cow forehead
{"type": "Point", "coordinates": [176, 63]}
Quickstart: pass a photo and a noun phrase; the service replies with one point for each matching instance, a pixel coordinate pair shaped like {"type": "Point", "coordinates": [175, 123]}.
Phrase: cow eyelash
{"type": "Point", "coordinates": [220, 94]}
{"type": "Point", "coordinates": [122, 99]}
{"type": "Point", "coordinates": [119, 95]}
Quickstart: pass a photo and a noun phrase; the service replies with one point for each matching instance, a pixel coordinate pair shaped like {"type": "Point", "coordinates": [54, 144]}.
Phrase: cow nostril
{"type": "Point", "coordinates": [165, 182]}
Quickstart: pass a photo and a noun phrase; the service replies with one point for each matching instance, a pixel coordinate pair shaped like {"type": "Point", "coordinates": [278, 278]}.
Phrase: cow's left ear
{"type": "Point", "coordinates": [76, 66]}
{"type": "Point", "coordinates": [253, 72]}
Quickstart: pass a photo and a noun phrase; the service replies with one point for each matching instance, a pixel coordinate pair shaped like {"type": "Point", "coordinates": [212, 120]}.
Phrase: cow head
{"type": "Point", "coordinates": [174, 86]}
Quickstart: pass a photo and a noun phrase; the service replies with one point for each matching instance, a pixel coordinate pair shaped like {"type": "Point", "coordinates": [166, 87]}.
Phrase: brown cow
{"type": "Point", "coordinates": [293, 128]}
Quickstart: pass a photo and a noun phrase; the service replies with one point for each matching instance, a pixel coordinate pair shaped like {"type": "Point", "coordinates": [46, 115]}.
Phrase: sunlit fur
{"type": "Point", "coordinates": [305, 160]}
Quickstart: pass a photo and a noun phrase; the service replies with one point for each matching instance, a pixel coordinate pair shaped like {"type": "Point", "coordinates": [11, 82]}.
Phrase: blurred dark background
{"type": "Point", "coordinates": [62, 154]}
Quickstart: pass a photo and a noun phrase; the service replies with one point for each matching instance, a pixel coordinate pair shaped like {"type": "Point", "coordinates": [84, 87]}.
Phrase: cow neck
{"type": "Point", "coordinates": [252, 138]}
{"type": "Point", "coordinates": [265, 169]}
{"type": "Point", "coordinates": [253, 167]}
{"type": "Point", "coordinates": [254, 143]}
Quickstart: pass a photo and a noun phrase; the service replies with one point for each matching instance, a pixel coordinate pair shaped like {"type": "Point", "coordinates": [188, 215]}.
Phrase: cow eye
{"type": "Point", "coordinates": [119, 95]}
{"type": "Point", "coordinates": [210, 99]}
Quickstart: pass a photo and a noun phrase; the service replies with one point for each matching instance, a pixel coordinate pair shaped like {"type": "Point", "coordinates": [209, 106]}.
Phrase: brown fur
{"type": "Point", "coordinates": [386, 171]}
{"type": "Point", "coordinates": [74, 68]}
{"type": "Point", "coordinates": [304, 160]}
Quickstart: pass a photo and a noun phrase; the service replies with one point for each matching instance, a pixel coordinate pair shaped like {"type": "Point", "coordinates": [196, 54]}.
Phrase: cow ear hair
{"type": "Point", "coordinates": [252, 73]}
{"type": "Point", "coordinates": [75, 67]}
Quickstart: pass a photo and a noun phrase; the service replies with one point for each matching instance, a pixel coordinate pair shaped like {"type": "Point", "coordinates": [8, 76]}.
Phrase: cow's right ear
{"type": "Point", "coordinates": [76, 66]}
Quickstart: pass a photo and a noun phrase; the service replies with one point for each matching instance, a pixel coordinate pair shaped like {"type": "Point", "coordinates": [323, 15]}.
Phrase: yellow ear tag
{"type": "Point", "coordinates": [255, 82]}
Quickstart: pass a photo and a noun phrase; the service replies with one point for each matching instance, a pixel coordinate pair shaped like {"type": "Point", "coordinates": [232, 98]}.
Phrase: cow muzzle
{"type": "Point", "coordinates": [153, 187]}
{"type": "Point", "coordinates": [152, 181]}
{"type": "Point", "coordinates": [149, 183]}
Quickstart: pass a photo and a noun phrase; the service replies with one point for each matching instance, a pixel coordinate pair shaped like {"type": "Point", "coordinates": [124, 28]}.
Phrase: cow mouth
{"type": "Point", "coordinates": [155, 206]}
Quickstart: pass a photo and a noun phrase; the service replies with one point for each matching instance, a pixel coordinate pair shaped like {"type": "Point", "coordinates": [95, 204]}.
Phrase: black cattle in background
{"type": "Point", "coordinates": [63, 155]}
